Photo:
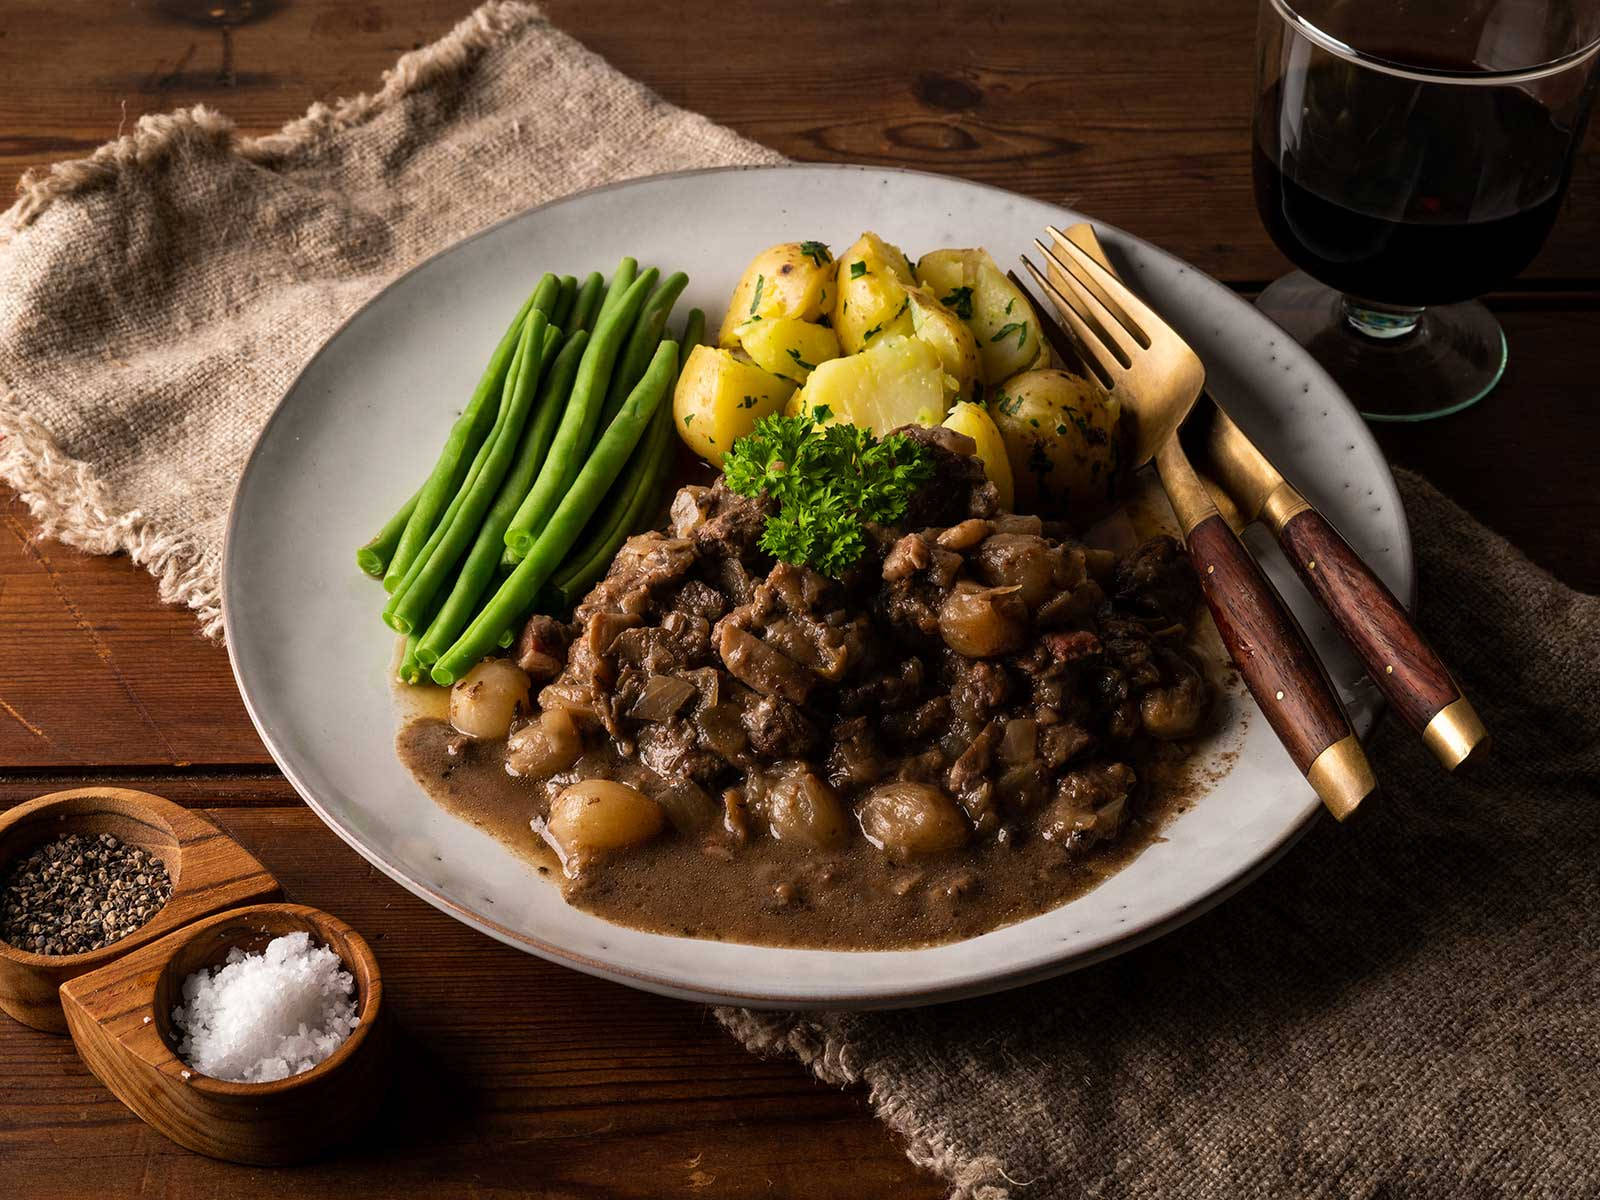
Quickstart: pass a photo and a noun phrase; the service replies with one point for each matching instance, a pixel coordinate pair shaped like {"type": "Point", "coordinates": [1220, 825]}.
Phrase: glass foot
{"type": "Point", "coordinates": [1395, 364]}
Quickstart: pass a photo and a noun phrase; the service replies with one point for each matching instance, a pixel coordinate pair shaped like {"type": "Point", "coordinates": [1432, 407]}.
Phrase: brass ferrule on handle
{"type": "Point", "coordinates": [1281, 506]}
{"type": "Point", "coordinates": [1191, 503]}
{"type": "Point", "coordinates": [1342, 777]}
{"type": "Point", "coordinates": [1456, 734]}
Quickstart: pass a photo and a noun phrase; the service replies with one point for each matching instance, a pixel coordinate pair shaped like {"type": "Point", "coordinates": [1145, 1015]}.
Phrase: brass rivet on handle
{"type": "Point", "coordinates": [1280, 695]}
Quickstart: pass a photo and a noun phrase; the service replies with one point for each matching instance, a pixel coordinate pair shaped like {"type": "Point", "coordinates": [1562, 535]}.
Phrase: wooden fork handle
{"type": "Point", "coordinates": [1280, 668]}
{"type": "Point", "coordinates": [1397, 657]}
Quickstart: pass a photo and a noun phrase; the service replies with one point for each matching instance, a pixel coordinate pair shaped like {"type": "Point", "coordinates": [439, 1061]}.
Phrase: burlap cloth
{"type": "Point", "coordinates": [1403, 1008]}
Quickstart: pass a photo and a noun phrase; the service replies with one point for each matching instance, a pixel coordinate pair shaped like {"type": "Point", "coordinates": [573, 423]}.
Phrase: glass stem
{"type": "Point", "coordinates": [1384, 322]}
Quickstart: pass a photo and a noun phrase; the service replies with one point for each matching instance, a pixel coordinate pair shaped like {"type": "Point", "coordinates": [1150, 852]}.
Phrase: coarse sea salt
{"type": "Point", "coordinates": [266, 1016]}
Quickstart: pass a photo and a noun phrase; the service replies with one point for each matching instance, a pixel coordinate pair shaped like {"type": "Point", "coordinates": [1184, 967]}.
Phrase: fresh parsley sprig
{"type": "Point", "coordinates": [824, 486]}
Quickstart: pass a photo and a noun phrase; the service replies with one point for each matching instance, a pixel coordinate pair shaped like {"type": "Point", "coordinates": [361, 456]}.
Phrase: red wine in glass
{"type": "Point", "coordinates": [1403, 182]}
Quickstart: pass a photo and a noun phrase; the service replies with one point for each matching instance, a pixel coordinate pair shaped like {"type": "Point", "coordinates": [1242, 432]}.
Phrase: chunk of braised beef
{"type": "Point", "coordinates": [854, 757]}
{"type": "Point", "coordinates": [672, 751]}
{"type": "Point", "coordinates": [729, 524]}
{"type": "Point", "coordinates": [645, 563]}
{"type": "Point", "coordinates": [542, 647]}
{"type": "Point", "coordinates": [910, 725]}
{"type": "Point", "coordinates": [1156, 582]}
{"type": "Point", "coordinates": [699, 599]}
{"type": "Point", "coordinates": [778, 729]}
{"type": "Point", "coordinates": [958, 487]}
{"type": "Point", "coordinates": [978, 687]}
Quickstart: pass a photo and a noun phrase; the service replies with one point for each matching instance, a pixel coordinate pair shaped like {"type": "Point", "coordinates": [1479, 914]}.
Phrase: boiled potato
{"type": "Point", "coordinates": [970, 284]}
{"type": "Point", "coordinates": [935, 324]}
{"type": "Point", "coordinates": [870, 293]}
{"type": "Point", "coordinates": [896, 381]}
{"type": "Point", "coordinates": [975, 422]}
{"type": "Point", "coordinates": [595, 817]}
{"type": "Point", "coordinates": [720, 397]}
{"type": "Point", "coordinates": [792, 279]}
{"type": "Point", "coordinates": [787, 346]}
{"type": "Point", "coordinates": [1062, 434]}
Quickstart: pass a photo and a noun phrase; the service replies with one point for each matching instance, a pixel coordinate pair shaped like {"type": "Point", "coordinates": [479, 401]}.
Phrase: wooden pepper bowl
{"type": "Point", "coordinates": [210, 872]}
{"type": "Point", "coordinates": [121, 1019]}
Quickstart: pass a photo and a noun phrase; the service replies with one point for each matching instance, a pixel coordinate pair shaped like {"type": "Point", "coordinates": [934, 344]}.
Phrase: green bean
{"type": "Point", "coordinates": [476, 576]}
{"type": "Point", "coordinates": [578, 421]}
{"type": "Point", "coordinates": [647, 330]}
{"type": "Point", "coordinates": [516, 596]}
{"type": "Point", "coordinates": [627, 272]}
{"type": "Point", "coordinates": [448, 517]}
{"type": "Point", "coordinates": [630, 505]}
{"type": "Point", "coordinates": [694, 332]}
{"type": "Point", "coordinates": [466, 436]}
{"type": "Point", "coordinates": [587, 306]}
{"type": "Point", "coordinates": [411, 606]}
{"type": "Point", "coordinates": [565, 297]}
{"type": "Point", "coordinates": [410, 669]}
{"type": "Point", "coordinates": [375, 555]}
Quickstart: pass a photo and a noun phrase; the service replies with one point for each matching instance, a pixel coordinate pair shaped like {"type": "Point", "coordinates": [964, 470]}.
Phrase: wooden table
{"type": "Point", "coordinates": [531, 1079]}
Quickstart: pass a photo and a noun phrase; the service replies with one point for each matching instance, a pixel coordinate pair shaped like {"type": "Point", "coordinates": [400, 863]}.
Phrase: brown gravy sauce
{"type": "Point", "coordinates": [772, 893]}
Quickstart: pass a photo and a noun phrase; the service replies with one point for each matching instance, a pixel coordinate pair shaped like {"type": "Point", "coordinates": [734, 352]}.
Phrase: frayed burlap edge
{"type": "Point", "coordinates": [154, 136]}
{"type": "Point", "coordinates": [832, 1058]}
{"type": "Point", "coordinates": [70, 502]}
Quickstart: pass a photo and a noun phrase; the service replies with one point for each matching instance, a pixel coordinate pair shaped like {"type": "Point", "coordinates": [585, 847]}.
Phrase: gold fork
{"type": "Point", "coordinates": [1157, 378]}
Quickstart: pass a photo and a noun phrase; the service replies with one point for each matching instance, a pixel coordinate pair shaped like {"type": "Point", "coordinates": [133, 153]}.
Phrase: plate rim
{"type": "Point", "coordinates": [980, 982]}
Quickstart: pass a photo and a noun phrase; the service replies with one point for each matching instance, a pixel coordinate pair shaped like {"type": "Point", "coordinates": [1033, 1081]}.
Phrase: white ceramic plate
{"type": "Point", "coordinates": [364, 420]}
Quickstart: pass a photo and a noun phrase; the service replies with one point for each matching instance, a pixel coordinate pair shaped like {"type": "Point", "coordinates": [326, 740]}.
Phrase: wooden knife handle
{"type": "Point", "coordinates": [1280, 668]}
{"type": "Point", "coordinates": [1397, 657]}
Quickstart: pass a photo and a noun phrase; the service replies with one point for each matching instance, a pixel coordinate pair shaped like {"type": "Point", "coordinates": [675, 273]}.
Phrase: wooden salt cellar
{"type": "Point", "coordinates": [121, 1020]}
{"type": "Point", "coordinates": [210, 872]}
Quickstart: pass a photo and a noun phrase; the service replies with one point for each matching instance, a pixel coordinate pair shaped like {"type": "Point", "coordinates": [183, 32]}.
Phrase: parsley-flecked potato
{"type": "Point", "coordinates": [787, 346]}
{"type": "Point", "coordinates": [1062, 433]}
{"type": "Point", "coordinates": [971, 285]}
{"type": "Point", "coordinates": [720, 397]}
{"type": "Point", "coordinates": [870, 293]}
{"type": "Point", "coordinates": [893, 382]}
{"type": "Point", "coordinates": [791, 279]}
{"type": "Point", "coordinates": [975, 422]}
{"type": "Point", "coordinates": [935, 324]}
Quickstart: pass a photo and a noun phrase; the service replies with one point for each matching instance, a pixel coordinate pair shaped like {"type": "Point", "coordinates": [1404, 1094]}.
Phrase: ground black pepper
{"type": "Point", "coordinates": [80, 892]}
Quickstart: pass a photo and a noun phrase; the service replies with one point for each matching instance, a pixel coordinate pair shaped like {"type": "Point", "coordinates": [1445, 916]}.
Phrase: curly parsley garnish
{"type": "Point", "coordinates": [825, 484]}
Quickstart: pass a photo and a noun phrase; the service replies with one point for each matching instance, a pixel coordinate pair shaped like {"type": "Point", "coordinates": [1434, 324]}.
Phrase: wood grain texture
{"type": "Point", "coordinates": [1267, 646]}
{"type": "Point", "coordinates": [210, 872]}
{"type": "Point", "coordinates": [1133, 116]}
{"type": "Point", "coordinates": [1397, 657]}
{"type": "Point", "coordinates": [526, 1080]}
{"type": "Point", "coordinates": [121, 1021]}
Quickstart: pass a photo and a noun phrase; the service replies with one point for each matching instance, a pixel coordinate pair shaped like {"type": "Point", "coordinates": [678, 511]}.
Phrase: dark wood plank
{"type": "Point", "coordinates": [1524, 460]}
{"type": "Point", "coordinates": [1137, 116]}
{"type": "Point", "coordinates": [95, 673]}
{"type": "Point", "coordinates": [522, 1078]}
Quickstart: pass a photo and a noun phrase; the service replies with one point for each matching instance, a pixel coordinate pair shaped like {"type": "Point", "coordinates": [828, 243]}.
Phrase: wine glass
{"type": "Point", "coordinates": [1409, 156]}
